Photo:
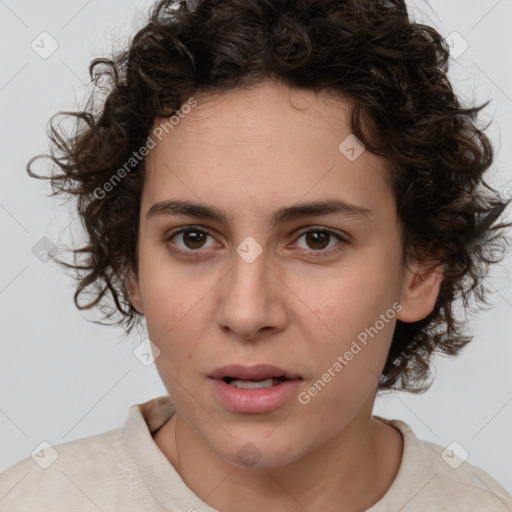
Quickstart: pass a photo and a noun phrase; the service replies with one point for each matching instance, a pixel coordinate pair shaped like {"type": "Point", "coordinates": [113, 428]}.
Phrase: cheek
{"type": "Point", "coordinates": [351, 319]}
{"type": "Point", "coordinates": [347, 372]}
{"type": "Point", "coordinates": [171, 297]}
{"type": "Point", "coordinates": [339, 309]}
{"type": "Point", "coordinates": [176, 310]}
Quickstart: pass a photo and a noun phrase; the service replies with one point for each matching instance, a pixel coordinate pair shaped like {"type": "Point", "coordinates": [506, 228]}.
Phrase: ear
{"type": "Point", "coordinates": [420, 289]}
{"type": "Point", "coordinates": [134, 289]}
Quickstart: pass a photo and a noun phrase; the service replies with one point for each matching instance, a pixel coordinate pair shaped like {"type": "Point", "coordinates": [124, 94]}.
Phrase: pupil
{"type": "Point", "coordinates": [195, 238]}
{"type": "Point", "coordinates": [318, 238]}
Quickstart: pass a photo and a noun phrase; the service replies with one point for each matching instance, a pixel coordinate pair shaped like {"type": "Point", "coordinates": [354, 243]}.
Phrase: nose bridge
{"type": "Point", "coordinates": [249, 280]}
{"type": "Point", "coordinates": [248, 297]}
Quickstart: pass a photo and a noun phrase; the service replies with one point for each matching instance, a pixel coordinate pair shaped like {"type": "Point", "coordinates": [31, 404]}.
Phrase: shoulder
{"type": "Point", "coordinates": [436, 478]}
{"type": "Point", "coordinates": [69, 476]}
{"type": "Point", "coordinates": [456, 479]}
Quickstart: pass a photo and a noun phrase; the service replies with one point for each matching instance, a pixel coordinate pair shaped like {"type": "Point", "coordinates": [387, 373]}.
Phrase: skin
{"type": "Point", "coordinates": [250, 153]}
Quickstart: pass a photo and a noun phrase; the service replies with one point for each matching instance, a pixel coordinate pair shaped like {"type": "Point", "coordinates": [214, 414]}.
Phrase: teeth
{"type": "Point", "coordinates": [252, 384]}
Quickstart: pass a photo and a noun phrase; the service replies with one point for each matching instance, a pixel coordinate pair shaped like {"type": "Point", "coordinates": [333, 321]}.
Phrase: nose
{"type": "Point", "coordinates": [251, 301]}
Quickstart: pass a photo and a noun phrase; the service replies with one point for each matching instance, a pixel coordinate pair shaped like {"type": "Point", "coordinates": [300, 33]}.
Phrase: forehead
{"type": "Point", "coordinates": [268, 144]}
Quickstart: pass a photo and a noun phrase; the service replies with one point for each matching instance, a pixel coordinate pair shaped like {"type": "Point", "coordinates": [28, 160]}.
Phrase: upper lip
{"type": "Point", "coordinates": [255, 372]}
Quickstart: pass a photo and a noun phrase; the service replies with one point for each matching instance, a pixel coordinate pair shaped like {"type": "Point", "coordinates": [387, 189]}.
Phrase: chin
{"type": "Point", "coordinates": [260, 452]}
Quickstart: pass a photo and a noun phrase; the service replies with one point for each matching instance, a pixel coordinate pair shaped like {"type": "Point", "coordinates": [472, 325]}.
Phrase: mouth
{"type": "Point", "coordinates": [256, 376]}
{"type": "Point", "coordinates": [254, 389]}
{"type": "Point", "coordinates": [254, 384]}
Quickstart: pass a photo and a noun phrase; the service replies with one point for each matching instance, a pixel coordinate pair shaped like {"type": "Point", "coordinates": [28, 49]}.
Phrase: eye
{"type": "Point", "coordinates": [319, 239]}
{"type": "Point", "coordinates": [189, 240]}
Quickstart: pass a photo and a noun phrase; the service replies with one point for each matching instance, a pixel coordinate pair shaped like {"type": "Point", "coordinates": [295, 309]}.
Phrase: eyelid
{"type": "Point", "coordinates": [325, 229]}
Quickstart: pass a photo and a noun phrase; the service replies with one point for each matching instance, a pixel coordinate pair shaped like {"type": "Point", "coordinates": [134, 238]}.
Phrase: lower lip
{"type": "Point", "coordinates": [255, 401]}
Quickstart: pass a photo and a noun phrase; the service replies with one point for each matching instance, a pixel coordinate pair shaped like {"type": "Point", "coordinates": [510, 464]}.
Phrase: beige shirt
{"type": "Point", "coordinates": [124, 470]}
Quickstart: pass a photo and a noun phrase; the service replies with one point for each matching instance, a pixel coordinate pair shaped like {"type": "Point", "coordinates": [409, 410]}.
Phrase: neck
{"type": "Point", "coordinates": [350, 472]}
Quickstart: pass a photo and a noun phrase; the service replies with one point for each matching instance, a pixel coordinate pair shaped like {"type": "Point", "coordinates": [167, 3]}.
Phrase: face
{"type": "Point", "coordinates": [250, 276]}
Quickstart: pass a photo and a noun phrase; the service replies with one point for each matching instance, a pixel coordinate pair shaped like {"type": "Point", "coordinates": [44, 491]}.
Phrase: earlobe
{"type": "Point", "coordinates": [134, 290]}
{"type": "Point", "coordinates": [420, 291]}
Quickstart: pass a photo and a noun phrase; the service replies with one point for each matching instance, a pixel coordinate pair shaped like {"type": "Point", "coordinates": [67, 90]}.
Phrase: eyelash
{"type": "Point", "coordinates": [316, 254]}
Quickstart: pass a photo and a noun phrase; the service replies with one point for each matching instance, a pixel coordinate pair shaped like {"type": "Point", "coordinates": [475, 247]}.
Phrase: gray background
{"type": "Point", "coordinates": [63, 378]}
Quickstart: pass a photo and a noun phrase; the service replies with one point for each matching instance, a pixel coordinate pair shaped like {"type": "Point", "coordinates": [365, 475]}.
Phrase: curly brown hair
{"type": "Point", "coordinates": [392, 69]}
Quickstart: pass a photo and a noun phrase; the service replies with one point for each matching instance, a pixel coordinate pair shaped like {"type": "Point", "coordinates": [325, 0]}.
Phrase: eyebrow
{"type": "Point", "coordinates": [285, 214]}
